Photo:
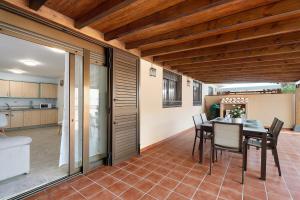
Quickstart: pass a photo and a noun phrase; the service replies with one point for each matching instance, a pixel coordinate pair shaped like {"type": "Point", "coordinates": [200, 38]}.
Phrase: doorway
{"type": "Point", "coordinates": [52, 119]}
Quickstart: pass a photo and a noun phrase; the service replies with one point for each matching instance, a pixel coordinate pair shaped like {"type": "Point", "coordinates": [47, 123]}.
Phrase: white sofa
{"type": "Point", "coordinates": [14, 156]}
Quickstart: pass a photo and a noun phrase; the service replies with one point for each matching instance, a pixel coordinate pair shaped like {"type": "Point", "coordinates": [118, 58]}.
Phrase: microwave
{"type": "Point", "coordinates": [45, 105]}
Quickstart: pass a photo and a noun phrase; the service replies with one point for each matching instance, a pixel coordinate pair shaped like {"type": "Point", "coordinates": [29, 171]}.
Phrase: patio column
{"type": "Point", "coordinates": [297, 107]}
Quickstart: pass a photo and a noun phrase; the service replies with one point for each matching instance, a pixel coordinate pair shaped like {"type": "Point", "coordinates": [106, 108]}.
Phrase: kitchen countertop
{"type": "Point", "coordinates": [23, 109]}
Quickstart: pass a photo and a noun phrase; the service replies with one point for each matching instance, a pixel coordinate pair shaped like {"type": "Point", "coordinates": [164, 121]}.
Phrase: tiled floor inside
{"type": "Point", "coordinates": [168, 171]}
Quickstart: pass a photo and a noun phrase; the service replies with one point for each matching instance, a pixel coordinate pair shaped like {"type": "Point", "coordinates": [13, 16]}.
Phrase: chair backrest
{"type": "Point", "coordinates": [275, 120]}
{"type": "Point", "coordinates": [228, 135]}
{"type": "Point", "coordinates": [3, 120]}
{"type": "Point", "coordinates": [197, 120]}
{"type": "Point", "coordinates": [277, 130]}
{"type": "Point", "coordinates": [204, 118]}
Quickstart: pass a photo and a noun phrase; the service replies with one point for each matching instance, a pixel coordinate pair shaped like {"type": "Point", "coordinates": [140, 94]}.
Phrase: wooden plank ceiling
{"type": "Point", "coordinates": [215, 41]}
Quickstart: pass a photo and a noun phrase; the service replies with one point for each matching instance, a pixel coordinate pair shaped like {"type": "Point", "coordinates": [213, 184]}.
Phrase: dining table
{"type": "Point", "coordinates": [251, 129]}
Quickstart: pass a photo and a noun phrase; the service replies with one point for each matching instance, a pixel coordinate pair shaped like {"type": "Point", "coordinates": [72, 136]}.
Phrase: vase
{"type": "Point", "coordinates": [237, 120]}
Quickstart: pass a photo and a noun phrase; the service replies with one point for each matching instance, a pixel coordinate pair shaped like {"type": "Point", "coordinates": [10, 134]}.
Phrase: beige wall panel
{"type": "Point", "coordinates": [265, 107]}
{"type": "Point", "coordinates": [297, 99]}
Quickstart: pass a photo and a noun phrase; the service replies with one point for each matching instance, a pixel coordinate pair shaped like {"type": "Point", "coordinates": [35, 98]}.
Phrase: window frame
{"type": "Point", "coordinates": [197, 101]}
{"type": "Point", "coordinates": [172, 89]}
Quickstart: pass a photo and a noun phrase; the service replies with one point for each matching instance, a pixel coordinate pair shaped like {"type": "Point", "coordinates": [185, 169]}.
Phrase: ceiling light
{"type": "Point", "coordinates": [56, 50]}
{"type": "Point", "coordinates": [30, 62]}
{"type": "Point", "coordinates": [17, 71]}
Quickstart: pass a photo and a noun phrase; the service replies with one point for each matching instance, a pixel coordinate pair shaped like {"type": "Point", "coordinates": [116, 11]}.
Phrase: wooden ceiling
{"type": "Point", "coordinates": [215, 41]}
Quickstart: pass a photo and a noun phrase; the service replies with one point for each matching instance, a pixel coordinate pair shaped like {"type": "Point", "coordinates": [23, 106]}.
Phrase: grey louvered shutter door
{"type": "Point", "coordinates": [125, 130]}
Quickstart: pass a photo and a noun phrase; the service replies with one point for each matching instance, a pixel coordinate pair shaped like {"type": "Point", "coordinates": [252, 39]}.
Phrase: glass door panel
{"type": "Point", "coordinates": [98, 114]}
{"type": "Point", "coordinates": [78, 112]}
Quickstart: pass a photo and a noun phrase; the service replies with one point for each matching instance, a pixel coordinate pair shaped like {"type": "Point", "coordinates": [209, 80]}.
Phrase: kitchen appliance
{"type": "Point", "coordinates": [45, 105]}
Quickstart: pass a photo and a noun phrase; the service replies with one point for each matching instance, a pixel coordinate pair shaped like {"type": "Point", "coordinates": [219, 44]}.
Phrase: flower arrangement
{"type": "Point", "coordinates": [237, 111]}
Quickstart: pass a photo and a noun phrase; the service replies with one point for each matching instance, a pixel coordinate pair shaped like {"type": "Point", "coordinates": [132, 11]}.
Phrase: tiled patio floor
{"type": "Point", "coordinates": [169, 172]}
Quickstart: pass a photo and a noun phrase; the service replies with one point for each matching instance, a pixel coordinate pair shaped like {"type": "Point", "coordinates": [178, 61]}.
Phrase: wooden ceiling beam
{"type": "Point", "coordinates": [267, 51]}
{"type": "Point", "coordinates": [243, 68]}
{"type": "Point", "coordinates": [276, 28]}
{"type": "Point", "coordinates": [253, 17]}
{"type": "Point", "coordinates": [236, 75]}
{"type": "Point", "coordinates": [258, 59]}
{"type": "Point", "coordinates": [243, 71]}
{"type": "Point", "coordinates": [195, 67]}
{"type": "Point", "coordinates": [246, 78]}
{"type": "Point", "coordinates": [104, 9]}
{"type": "Point", "coordinates": [36, 4]}
{"type": "Point", "coordinates": [234, 47]}
{"type": "Point", "coordinates": [205, 11]}
{"type": "Point", "coordinates": [219, 81]}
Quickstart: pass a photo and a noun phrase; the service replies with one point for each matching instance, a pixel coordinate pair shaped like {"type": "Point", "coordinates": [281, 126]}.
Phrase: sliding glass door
{"type": "Point", "coordinates": [98, 94]}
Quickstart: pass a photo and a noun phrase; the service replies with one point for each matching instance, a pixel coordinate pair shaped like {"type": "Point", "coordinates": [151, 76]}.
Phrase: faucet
{"type": "Point", "coordinates": [8, 106]}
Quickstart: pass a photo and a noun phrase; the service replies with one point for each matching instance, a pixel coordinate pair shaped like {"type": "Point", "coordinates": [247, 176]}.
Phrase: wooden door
{"type": "Point", "coordinates": [30, 90]}
{"type": "Point", "coordinates": [15, 88]}
{"type": "Point", "coordinates": [4, 88]}
{"type": "Point", "coordinates": [16, 119]}
{"type": "Point", "coordinates": [125, 128]}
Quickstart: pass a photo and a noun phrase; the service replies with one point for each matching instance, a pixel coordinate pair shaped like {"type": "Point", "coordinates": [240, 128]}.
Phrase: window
{"type": "Point", "coordinates": [197, 93]}
{"type": "Point", "coordinates": [171, 89]}
{"type": "Point", "coordinates": [210, 91]}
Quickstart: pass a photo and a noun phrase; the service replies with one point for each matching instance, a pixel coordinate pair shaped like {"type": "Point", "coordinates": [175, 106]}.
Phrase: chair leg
{"type": "Point", "coordinates": [244, 161]}
{"type": "Point", "coordinates": [213, 150]}
{"type": "Point", "coordinates": [194, 144]}
{"type": "Point", "coordinates": [216, 151]}
{"type": "Point", "coordinates": [211, 158]}
{"type": "Point", "coordinates": [277, 160]}
{"type": "Point", "coordinates": [246, 156]}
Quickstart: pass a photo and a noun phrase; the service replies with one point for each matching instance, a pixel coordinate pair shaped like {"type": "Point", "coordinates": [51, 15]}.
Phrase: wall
{"type": "Point", "coordinates": [158, 123]}
{"type": "Point", "coordinates": [265, 107]}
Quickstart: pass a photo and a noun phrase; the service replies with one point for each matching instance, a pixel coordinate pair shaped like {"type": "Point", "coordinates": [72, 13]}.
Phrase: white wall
{"type": "Point", "coordinates": [158, 123]}
{"type": "Point", "coordinates": [26, 78]}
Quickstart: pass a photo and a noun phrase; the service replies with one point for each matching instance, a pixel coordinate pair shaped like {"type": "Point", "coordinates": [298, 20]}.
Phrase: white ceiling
{"type": "Point", "coordinates": [13, 49]}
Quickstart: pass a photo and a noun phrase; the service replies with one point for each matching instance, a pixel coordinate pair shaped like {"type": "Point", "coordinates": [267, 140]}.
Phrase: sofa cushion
{"type": "Point", "coordinates": [10, 142]}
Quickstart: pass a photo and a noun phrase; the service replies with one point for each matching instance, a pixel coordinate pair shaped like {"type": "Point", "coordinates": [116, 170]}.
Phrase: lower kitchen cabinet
{"type": "Point", "coordinates": [49, 116]}
{"type": "Point", "coordinates": [16, 119]}
{"type": "Point", "coordinates": [32, 117]}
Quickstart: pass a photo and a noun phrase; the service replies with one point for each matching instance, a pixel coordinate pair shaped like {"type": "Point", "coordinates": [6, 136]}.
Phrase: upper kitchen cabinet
{"type": "Point", "coordinates": [48, 90]}
{"type": "Point", "coordinates": [15, 88]}
{"type": "Point", "coordinates": [30, 90]}
{"type": "Point", "coordinates": [23, 89]}
{"type": "Point", "coordinates": [4, 88]}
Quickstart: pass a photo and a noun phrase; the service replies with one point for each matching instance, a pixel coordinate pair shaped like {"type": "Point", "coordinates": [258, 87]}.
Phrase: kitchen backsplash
{"type": "Point", "coordinates": [13, 102]}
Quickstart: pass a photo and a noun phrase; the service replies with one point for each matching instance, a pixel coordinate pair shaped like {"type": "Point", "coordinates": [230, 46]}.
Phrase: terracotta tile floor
{"type": "Point", "coordinates": [169, 172]}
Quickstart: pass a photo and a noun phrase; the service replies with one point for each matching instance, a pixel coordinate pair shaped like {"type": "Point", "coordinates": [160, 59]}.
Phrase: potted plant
{"type": "Point", "coordinates": [236, 113]}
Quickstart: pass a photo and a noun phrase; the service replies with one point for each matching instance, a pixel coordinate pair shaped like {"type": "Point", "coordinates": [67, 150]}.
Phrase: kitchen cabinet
{"type": "Point", "coordinates": [49, 116]}
{"type": "Point", "coordinates": [32, 117]}
{"type": "Point", "coordinates": [4, 88]}
{"type": "Point", "coordinates": [30, 90]}
{"type": "Point", "coordinates": [16, 119]}
{"type": "Point", "coordinates": [16, 88]}
{"type": "Point", "coordinates": [7, 114]}
{"type": "Point", "coordinates": [48, 90]}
